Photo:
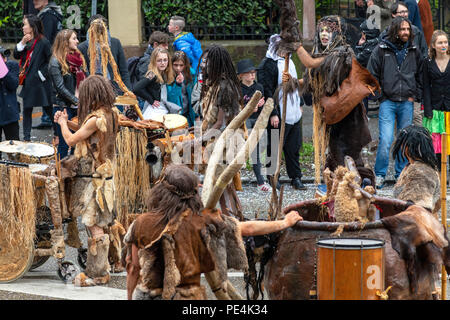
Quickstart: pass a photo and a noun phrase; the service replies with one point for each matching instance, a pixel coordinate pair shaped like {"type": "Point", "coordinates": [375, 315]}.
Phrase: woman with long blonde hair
{"type": "Point", "coordinates": [152, 88]}
{"type": "Point", "coordinates": [436, 89]}
{"type": "Point", "coordinates": [67, 70]}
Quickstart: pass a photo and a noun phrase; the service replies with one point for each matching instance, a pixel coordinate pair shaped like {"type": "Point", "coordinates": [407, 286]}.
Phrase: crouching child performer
{"type": "Point", "coordinates": [90, 189]}
{"type": "Point", "coordinates": [167, 248]}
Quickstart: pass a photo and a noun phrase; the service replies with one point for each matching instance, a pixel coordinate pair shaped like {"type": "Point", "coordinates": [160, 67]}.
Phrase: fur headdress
{"type": "Point", "coordinates": [290, 35]}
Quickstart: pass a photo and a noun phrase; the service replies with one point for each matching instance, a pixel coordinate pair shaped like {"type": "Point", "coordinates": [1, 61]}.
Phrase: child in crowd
{"type": "Point", "coordinates": [247, 75]}
{"type": "Point", "coordinates": [185, 41]}
{"type": "Point", "coordinates": [9, 109]}
{"type": "Point", "coordinates": [180, 91]}
{"type": "Point", "coordinates": [152, 88]}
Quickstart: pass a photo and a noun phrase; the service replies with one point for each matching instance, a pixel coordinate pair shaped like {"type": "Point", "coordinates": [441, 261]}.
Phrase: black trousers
{"type": "Point", "coordinates": [291, 148]}
{"type": "Point", "coordinates": [11, 131]}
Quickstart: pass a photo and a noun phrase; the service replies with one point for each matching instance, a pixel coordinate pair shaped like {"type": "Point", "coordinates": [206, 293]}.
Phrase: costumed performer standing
{"type": "Point", "coordinates": [221, 99]}
{"type": "Point", "coordinates": [338, 84]}
{"type": "Point", "coordinates": [92, 189]}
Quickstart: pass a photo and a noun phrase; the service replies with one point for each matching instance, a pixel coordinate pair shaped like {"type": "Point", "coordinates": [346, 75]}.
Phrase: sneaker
{"type": "Point", "coordinates": [297, 184]}
{"type": "Point", "coordinates": [265, 187]}
{"type": "Point", "coordinates": [379, 182]}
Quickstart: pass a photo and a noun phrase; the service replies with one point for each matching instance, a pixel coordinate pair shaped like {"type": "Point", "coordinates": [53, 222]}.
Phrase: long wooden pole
{"type": "Point", "coordinates": [275, 202]}
{"type": "Point", "coordinates": [444, 206]}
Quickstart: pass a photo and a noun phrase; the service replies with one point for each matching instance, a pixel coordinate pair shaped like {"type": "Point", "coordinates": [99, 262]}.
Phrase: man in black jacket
{"type": "Point", "coordinates": [395, 63]}
{"type": "Point", "coordinates": [51, 17]}
{"type": "Point", "coordinates": [118, 54]}
{"type": "Point", "coordinates": [400, 9]}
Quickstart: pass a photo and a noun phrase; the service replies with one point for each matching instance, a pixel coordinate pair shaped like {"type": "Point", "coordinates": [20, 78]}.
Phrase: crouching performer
{"type": "Point", "coordinates": [90, 189]}
{"type": "Point", "coordinates": [167, 248]}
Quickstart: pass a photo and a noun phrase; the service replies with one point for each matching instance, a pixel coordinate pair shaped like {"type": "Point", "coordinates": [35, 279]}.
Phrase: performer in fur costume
{"type": "Point", "coordinates": [419, 181]}
{"type": "Point", "coordinates": [169, 247]}
{"type": "Point", "coordinates": [91, 188]}
{"type": "Point", "coordinates": [221, 100]}
{"type": "Point", "coordinates": [340, 123]}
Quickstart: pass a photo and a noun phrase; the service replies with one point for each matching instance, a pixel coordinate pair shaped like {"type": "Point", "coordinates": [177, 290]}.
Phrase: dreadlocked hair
{"type": "Point", "coordinates": [416, 143]}
{"type": "Point", "coordinates": [176, 193]}
{"type": "Point", "coordinates": [219, 67]}
{"type": "Point", "coordinates": [99, 49]}
{"type": "Point", "coordinates": [95, 92]}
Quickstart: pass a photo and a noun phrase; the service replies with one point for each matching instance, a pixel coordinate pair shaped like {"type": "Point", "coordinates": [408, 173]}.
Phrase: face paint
{"type": "Point", "coordinates": [325, 36]}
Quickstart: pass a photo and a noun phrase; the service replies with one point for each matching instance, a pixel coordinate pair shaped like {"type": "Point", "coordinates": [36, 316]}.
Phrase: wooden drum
{"type": "Point", "coordinates": [28, 152]}
{"type": "Point", "coordinates": [350, 268]}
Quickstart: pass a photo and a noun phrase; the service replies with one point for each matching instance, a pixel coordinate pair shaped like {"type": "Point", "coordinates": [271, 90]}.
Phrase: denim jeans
{"type": "Point", "coordinates": [63, 148]}
{"type": "Point", "coordinates": [389, 113]}
{"type": "Point", "coordinates": [255, 156]}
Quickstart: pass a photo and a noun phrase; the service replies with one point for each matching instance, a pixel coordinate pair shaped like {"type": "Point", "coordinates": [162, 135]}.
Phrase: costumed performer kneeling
{"type": "Point", "coordinates": [169, 247]}
{"type": "Point", "coordinates": [419, 181]}
{"type": "Point", "coordinates": [91, 188]}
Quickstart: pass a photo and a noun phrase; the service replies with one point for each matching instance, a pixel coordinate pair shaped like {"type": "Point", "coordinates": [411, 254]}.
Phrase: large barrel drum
{"type": "Point", "coordinates": [350, 268]}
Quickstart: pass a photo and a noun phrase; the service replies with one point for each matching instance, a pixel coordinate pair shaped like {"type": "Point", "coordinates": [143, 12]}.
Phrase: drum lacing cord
{"type": "Point", "coordinates": [270, 245]}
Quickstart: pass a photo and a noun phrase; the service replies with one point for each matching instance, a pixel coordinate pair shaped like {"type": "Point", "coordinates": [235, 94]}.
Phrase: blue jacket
{"type": "Point", "coordinates": [9, 109]}
{"type": "Point", "coordinates": [175, 95]}
{"type": "Point", "coordinates": [186, 42]}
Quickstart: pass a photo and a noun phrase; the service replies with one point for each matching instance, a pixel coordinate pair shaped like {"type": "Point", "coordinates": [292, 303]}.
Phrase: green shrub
{"type": "Point", "coordinates": [211, 13]}
{"type": "Point", "coordinates": [11, 11]}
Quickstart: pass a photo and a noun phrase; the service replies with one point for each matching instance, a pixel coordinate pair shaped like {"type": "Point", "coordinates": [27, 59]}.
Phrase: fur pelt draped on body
{"type": "Point", "coordinates": [173, 256]}
{"type": "Point", "coordinates": [420, 184]}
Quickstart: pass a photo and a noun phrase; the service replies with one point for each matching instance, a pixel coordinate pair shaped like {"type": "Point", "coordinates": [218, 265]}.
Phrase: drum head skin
{"type": "Point", "coordinates": [171, 121]}
{"type": "Point", "coordinates": [350, 243]}
{"type": "Point", "coordinates": [10, 146]}
{"type": "Point", "coordinates": [35, 149]}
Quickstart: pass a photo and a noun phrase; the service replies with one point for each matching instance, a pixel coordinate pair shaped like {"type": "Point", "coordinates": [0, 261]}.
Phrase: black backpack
{"type": "Point", "coordinates": [132, 64]}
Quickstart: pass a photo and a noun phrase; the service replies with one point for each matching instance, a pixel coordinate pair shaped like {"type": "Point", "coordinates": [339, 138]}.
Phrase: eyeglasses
{"type": "Point", "coordinates": [162, 60]}
{"type": "Point", "coordinates": [403, 12]}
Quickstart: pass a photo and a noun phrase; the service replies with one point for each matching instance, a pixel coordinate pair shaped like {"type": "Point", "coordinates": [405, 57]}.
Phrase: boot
{"type": "Point", "coordinates": [97, 265]}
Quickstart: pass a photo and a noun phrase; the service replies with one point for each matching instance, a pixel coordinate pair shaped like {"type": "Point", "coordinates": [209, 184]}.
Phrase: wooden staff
{"type": "Point", "coordinates": [444, 205]}
{"type": "Point", "coordinates": [275, 208]}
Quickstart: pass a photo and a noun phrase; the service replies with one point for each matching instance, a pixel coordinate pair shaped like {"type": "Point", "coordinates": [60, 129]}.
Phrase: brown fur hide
{"type": "Point", "coordinates": [225, 244]}
{"type": "Point", "coordinates": [290, 28]}
{"type": "Point", "coordinates": [339, 175]}
{"type": "Point", "coordinates": [346, 207]}
{"type": "Point", "coordinates": [173, 256]}
{"type": "Point", "coordinates": [420, 240]}
{"type": "Point", "coordinates": [420, 184]}
{"type": "Point", "coordinates": [116, 233]}
{"type": "Point", "coordinates": [352, 91]}
{"type": "Point", "coordinates": [367, 210]}
{"type": "Point", "coordinates": [97, 265]}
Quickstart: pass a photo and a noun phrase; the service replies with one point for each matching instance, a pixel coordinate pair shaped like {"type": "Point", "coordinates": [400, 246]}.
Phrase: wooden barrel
{"type": "Point", "coordinates": [350, 268]}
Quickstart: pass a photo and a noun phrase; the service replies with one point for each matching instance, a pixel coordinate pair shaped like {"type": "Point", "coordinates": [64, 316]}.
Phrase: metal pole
{"type": "Point", "coordinates": [93, 7]}
{"type": "Point", "coordinates": [444, 206]}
